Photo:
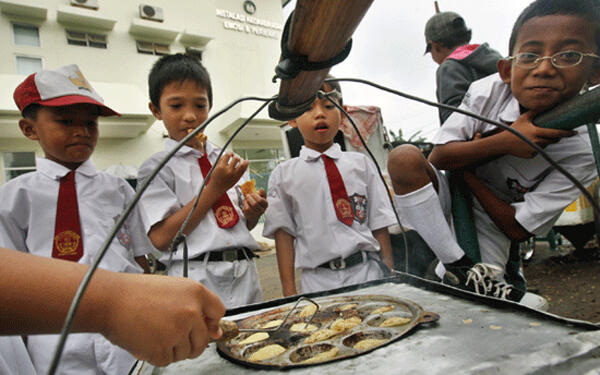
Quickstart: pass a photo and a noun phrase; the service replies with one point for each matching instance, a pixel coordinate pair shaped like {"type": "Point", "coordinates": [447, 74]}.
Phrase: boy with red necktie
{"type": "Point", "coordinates": [218, 233]}
{"type": "Point", "coordinates": [66, 208]}
{"type": "Point", "coordinates": [328, 210]}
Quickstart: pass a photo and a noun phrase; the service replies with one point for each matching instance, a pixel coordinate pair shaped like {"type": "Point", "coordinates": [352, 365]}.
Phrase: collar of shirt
{"type": "Point", "coordinates": [511, 112]}
{"type": "Point", "coordinates": [211, 150]}
{"type": "Point", "coordinates": [308, 154]}
{"type": "Point", "coordinates": [55, 171]}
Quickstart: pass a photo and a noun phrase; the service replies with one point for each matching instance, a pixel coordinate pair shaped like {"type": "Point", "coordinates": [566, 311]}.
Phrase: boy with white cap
{"type": "Point", "coordinates": [66, 208]}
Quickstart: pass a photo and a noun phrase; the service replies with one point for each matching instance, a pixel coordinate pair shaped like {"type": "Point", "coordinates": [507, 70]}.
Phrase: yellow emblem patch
{"type": "Point", "coordinates": [343, 207]}
{"type": "Point", "coordinates": [224, 215]}
{"type": "Point", "coordinates": [67, 242]}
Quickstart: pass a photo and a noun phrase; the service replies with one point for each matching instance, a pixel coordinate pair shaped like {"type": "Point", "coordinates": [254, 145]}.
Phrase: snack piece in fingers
{"type": "Point", "coordinates": [248, 187]}
{"type": "Point", "coordinates": [200, 137]}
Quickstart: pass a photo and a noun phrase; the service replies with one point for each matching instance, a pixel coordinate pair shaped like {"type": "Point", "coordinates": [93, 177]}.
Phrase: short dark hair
{"type": "Point", "coordinates": [455, 40]}
{"type": "Point", "coordinates": [31, 111]}
{"type": "Point", "coordinates": [177, 68]}
{"type": "Point", "coordinates": [587, 9]}
{"type": "Point", "coordinates": [334, 85]}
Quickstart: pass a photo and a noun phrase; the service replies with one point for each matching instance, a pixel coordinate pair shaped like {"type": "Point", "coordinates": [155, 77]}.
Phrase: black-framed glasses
{"type": "Point", "coordinates": [564, 59]}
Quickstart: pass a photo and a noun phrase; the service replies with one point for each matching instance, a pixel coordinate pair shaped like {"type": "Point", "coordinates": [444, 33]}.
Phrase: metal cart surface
{"type": "Point", "coordinates": [474, 335]}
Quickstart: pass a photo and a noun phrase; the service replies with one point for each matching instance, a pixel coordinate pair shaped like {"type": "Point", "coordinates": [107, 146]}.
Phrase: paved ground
{"type": "Point", "coordinates": [569, 283]}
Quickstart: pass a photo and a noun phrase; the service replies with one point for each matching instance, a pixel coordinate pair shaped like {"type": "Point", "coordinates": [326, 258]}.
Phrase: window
{"type": "Point", "coordinates": [26, 35]}
{"type": "Point", "coordinates": [261, 163]}
{"type": "Point", "coordinates": [17, 163]}
{"type": "Point", "coordinates": [151, 48]}
{"type": "Point", "coordinates": [80, 38]}
{"type": "Point", "coordinates": [27, 65]}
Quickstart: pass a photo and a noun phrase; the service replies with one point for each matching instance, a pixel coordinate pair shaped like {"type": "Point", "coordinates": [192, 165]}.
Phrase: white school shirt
{"type": "Point", "coordinates": [28, 214]}
{"type": "Point", "coordinates": [14, 358]}
{"type": "Point", "coordinates": [537, 192]}
{"type": "Point", "coordinates": [300, 203]}
{"type": "Point", "coordinates": [178, 183]}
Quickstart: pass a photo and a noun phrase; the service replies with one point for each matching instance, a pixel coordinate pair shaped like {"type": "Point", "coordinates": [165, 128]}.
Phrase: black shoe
{"type": "Point", "coordinates": [481, 279]}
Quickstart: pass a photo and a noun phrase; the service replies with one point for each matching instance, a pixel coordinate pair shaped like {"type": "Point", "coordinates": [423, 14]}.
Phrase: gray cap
{"type": "Point", "coordinates": [443, 26]}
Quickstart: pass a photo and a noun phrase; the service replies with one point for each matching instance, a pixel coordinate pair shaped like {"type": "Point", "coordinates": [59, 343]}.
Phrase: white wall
{"type": "Point", "coordinates": [240, 64]}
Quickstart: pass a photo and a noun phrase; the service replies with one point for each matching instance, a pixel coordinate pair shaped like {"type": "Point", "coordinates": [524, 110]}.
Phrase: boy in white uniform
{"type": "Point", "coordinates": [66, 208]}
{"type": "Point", "coordinates": [517, 192]}
{"type": "Point", "coordinates": [333, 228]}
{"type": "Point", "coordinates": [218, 237]}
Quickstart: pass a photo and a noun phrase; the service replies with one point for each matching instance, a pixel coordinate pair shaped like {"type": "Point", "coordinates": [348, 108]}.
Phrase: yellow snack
{"type": "Point", "coordinates": [266, 352]}
{"type": "Point", "coordinates": [349, 306]}
{"type": "Point", "coordinates": [272, 323]}
{"type": "Point", "coordinates": [383, 309]}
{"type": "Point", "coordinates": [322, 357]}
{"type": "Point", "coordinates": [200, 136]}
{"type": "Point", "coordinates": [248, 187]}
{"type": "Point", "coordinates": [368, 344]}
{"type": "Point", "coordinates": [303, 327]}
{"type": "Point", "coordinates": [259, 336]}
{"type": "Point", "coordinates": [320, 335]}
{"type": "Point", "coordinates": [395, 321]}
{"type": "Point", "coordinates": [307, 311]}
{"type": "Point", "coordinates": [341, 325]}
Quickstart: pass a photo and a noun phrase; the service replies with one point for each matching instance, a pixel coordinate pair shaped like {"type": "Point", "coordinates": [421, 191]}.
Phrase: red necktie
{"type": "Point", "coordinates": [223, 209]}
{"type": "Point", "coordinates": [68, 244]}
{"type": "Point", "coordinates": [339, 196]}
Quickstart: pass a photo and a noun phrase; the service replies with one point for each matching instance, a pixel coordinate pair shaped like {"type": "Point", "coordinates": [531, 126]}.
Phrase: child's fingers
{"type": "Point", "coordinates": [182, 349]}
{"type": "Point", "coordinates": [199, 336]}
{"type": "Point", "coordinates": [262, 193]}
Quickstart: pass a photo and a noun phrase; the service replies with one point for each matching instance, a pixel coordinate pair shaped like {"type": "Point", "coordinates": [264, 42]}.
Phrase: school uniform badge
{"type": "Point", "coordinates": [344, 208]}
{"type": "Point", "coordinates": [123, 234]}
{"type": "Point", "coordinates": [224, 215]}
{"type": "Point", "coordinates": [359, 206]}
{"type": "Point", "coordinates": [66, 243]}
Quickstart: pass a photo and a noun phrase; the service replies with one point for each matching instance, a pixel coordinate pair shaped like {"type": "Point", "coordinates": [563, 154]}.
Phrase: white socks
{"type": "Point", "coordinates": [421, 209]}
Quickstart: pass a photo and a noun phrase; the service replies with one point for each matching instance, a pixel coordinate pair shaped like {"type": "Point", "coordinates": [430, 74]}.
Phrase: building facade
{"type": "Point", "coordinates": [115, 43]}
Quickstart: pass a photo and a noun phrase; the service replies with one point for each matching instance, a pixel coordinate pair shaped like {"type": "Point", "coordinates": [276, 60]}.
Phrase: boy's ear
{"type": "Point", "coordinates": [505, 70]}
{"type": "Point", "coordinates": [595, 75]}
{"type": "Point", "coordinates": [293, 123]}
{"type": "Point", "coordinates": [155, 111]}
{"type": "Point", "coordinates": [28, 129]}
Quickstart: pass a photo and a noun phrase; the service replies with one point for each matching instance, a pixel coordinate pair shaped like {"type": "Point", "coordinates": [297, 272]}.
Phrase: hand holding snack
{"type": "Point", "coordinates": [198, 141]}
{"type": "Point", "coordinates": [255, 202]}
{"type": "Point", "coordinates": [228, 171]}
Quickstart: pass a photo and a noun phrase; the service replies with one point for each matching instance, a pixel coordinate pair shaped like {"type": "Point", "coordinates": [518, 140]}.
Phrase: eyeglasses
{"type": "Point", "coordinates": [565, 59]}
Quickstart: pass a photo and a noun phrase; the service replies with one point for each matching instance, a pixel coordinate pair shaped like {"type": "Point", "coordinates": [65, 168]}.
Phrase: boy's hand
{"type": "Point", "coordinates": [228, 172]}
{"type": "Point", "coordinates": [255, 204]}
{"type": "Point", "coordinates": [162, 319]}
{"type": "Point", "coordinates": [540, 136]}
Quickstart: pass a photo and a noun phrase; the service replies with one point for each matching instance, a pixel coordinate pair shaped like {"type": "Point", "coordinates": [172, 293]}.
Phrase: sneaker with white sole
{"type": "Point", "coordinates": [484, 279]}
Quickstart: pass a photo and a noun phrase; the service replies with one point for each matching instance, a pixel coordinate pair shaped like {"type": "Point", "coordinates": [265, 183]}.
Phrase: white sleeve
{"type": "Point", "coordinates": [279, 212]}
{"type": "Point", "coordinates": [13, 223]}
{"type": "Point", "coordinates": [381, 213]}
{"type": "Point", "coordinates": [458, 127]}
{"type": "Point", "coordinates": [140, 243]}
{"type": "Point", "coordinates": [159, 201]}
{"type": "Point", "coordinates": [542, 206]}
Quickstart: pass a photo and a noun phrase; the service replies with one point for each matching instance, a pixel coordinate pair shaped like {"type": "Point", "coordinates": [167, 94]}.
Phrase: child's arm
{"type": "Point", "coordinates": [172, 322]}
{"type": "Point", "coordinates": [383, 237]}
{"type": "Point", "coordinates": [501, 213]}
{"type": "Point", "coordinates": [284, 244]}
{"type": "Point", "coordinates": [226, 174]}
{"type": "Point", "coordinates": [468, 154]}
{"type": "Point", "coordinates": [255, 205]}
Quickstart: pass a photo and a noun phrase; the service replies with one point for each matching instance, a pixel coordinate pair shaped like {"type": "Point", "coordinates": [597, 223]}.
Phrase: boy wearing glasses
{"type": "Point", "coordinates": [554, 46]}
